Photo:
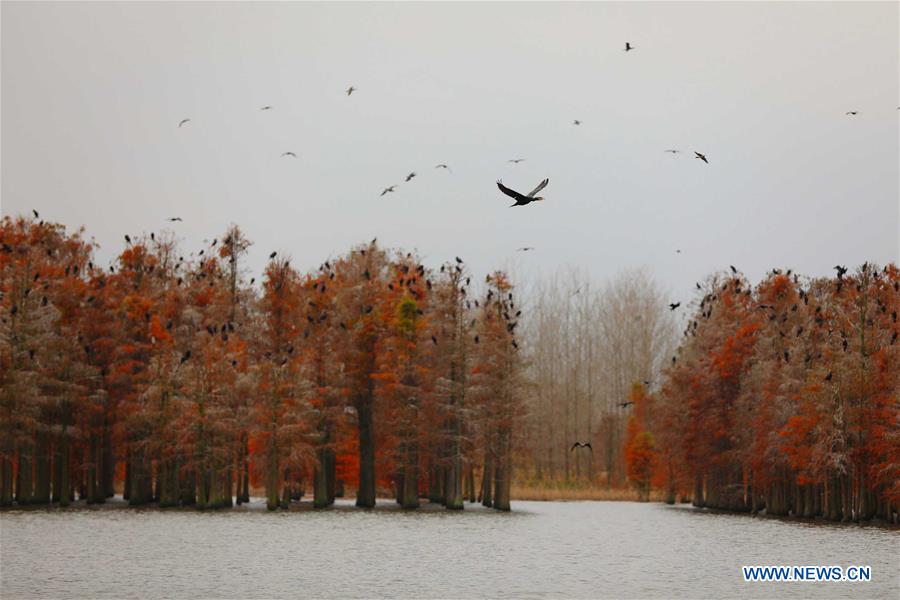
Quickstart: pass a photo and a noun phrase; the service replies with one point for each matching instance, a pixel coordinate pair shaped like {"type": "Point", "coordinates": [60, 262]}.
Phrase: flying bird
{"type": "Point", "coordinates": [580, 445]}
{"type": "Point", "coordinates": [733, 269]}
{"type": "Point", "coordinates": [267, 107]}
{"type": "Point", "coordinates": [516, 160]}
{"type": "Point", "coordinates": [628, 46]}
{"type": "Point", "coordinates": [521, 199]}
{"type": "Point", "coordinates": [624, 404]}
{"type": "Point", "coordinates": [388, 189]}
{"type": "Point", "coordinates": [576, 122]}
{"type": "Point", "coordinates": [173, 219]}
{"type": "Point", "coordinates": [443, 166]}
{"type": "Point", "coordinates": [183, 121]}
{"type": "Point", "coordinates": [672, 151]}
{"type": "Point", "coordinates": [410, 176]}
{"type": "Point", "coordinates": [674, 305]}
{"type": "Point", "coordinates": [852, 112]}
{"type": "Point", "coordinates": [350, 90]}
{"type": "Point", "coordinates": [289, 154]}
{"type": "Point", "coordinates": [700, 156]}
{"type": "Point", "coordinates": [524, 248]}
{"type": "Point", "coordinates": [271, 256]}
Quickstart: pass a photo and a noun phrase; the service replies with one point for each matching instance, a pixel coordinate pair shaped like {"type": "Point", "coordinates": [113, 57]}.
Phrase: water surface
{"type": "Point", "coordinates": [542, 549]}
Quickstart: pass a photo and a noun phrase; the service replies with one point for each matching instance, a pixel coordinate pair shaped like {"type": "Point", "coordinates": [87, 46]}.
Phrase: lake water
{"type": "Point", "coordinates": [542, 549]}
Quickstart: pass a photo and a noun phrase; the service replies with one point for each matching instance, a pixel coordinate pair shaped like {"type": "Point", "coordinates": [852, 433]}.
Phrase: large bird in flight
{"type": "Point", "coordinates": [350, 90]}
{"type": "Point", "coordinates": [580, 445]}
{"type": "Point", "coordinates": [182, 122]}
{"type": "Point", "coordinates": [700, 156]}
{"type": "Point", "coordinates": [289, 154]}
{"type": "Point", "coordinates": [443, 166]}
{"type": "Point", "coordinates": [522, 199]}
{"type": "Point", "coordinates": [173, 219]}
{"type": "Point", "coordinates": [388, 189]}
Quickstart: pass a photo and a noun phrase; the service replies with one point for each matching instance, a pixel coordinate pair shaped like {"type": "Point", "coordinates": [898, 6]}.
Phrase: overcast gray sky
{"type": "Point", "coordinates": [92, 94]}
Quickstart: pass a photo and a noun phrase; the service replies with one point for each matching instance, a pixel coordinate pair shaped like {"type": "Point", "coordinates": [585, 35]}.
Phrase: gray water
{"type": "Point", "coordinates": [542, 549]}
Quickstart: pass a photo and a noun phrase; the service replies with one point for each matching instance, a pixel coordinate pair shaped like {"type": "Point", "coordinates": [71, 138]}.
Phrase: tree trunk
{"type": "Point", "coordinates": [365, 494]}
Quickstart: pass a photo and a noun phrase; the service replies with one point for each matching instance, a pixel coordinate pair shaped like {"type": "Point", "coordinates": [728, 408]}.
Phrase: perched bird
{"type": "Point", "coordinates": [350, 90]}
{"type": "Point", "coordinates": [828, 377]}
{"type": "Point", "coordinates": [516, 160]}
{"type": "Point", "coordinates": [183, 121]}
{"type": "Point", "coordinates": [127, 239]}
{"type": "Point", "coordinates": [580, 445]}
{"type": "Point", "coordinates": [674, 305]}
{"type": "Point", "coordinates": [410, 176]}
{"type": "Point", "coordinates": [388, 189]}
{"type": "Point", "coordinates": [525, 249]}
{"type": "Point", "coordinates": [576, 122]}
{"type": "Point", "coordinates": [434, 339]}
{"type": "Point", "coordinates": [271, 256]}
{"type": "Point", "coordinates": [840, 271]}
{"type": "Point", "coordinates": [36, 215]}
{"type": "Point", "coordinates": [733, 269]}
{"type": "Point", "coordinates": [628, 46]}
{"type": "Point", "coordinates": [185, 356]}
{"type": "Point", "coordinates": [521, 199]}
{"type": "Point", "coordinates": [701, 157]}
{"type": "Point", "coordinates": [289, 154]}
{"type": "Point", "coordinates": [173, 219]}
{"type": "Point", "coordinates": [459, 260]}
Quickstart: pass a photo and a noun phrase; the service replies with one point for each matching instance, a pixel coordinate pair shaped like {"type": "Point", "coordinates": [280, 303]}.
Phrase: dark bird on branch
{"type": "Point", "coordinates": [443, 166]}
{"type": "Point", "coordinates": [459, 260]}
{"type": "Point", "coordinates": [624, 404]}
{"type": "Point", "coordinates": [271, 256]}
{"type": "Point", "coordinates": [840, 271]}
{"type": "Point", "coordinates": [828, 377]}
{"type": "Point", "coordinates": [521, 199]}
{"type": "Point", "coordinates": [733, 269]}
{"type": "Point", "coordinates": [580, 445]}
{"type": "Point", "coordinates": [434, 339]}
{"type": "Point", "coordinates": [127, 239]}
{"type": "Point", "coordinates": [185, 356]}
{"type": "Point", "coordinates": [700, 156]}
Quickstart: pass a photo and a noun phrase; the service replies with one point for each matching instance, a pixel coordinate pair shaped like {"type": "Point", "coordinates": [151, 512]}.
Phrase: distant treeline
{"type": "Point", "coordinates": [181, 382]}
{"type": "Point", "coordinates": [784, 397]}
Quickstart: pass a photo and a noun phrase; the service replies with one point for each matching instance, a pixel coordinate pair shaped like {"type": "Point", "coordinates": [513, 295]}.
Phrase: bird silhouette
{"type": "Point", "coordinates": [271, 256]}
{"type": "Point", "coordinates": [182, 122]}
{"type": "Point", "coordinates": [624, 404]}
{"type": "Point", "coordinates": [524, 248]}
{"type": "Point", "coordinates": [580, 445]}
{"type": "Point", "coordinates": [185, 356]}
{"type": "Point", "coordinates": [628, 46]}
{"type": "Point", "coordinates": [516, 160]}
{"type": "Point", "coordinates": [410, 176]}
{"type": "Point", "coordinates": [852, 112]}
{"type": "Point", "coordinates": [289, 154]}
{"type": "Point", "coordinates": [173, 219]}
{"type": "Point", "coordinates": [388, 189]}
{"type": "Point", "coordinates": [521, 199]}
{"type": "Point", "coordinates": [700, 156]}
{"type": "Point", "coordinates": [266, 108]}
{"type": "Point", "coordinates": [674, 305]}
{"type": "Point", "coordinates": [828, 377]}
{"type": "Point", "coordinates": [673, 151]}
{"type": "Point", "coordinates": [36, 215]}
{"type": "Point", "coordinates": [733, 269]}
{"type": "Point", "coordinates": [127, 239]}
{"type": "Point", "coordinates": [350, 90]}
{"type": "Point", "coordinates": [443, 166]}
{"type": "Point", "coordinates": [576, 122]}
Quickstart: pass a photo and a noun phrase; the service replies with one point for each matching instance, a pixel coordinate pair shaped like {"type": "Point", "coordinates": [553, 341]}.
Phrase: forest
{"type": "Point", "coordinates": [180, 383]}
{"type": "Point", "coordinates": [780, 397]}
{"type": "Point", "coordinates": [180, 380]}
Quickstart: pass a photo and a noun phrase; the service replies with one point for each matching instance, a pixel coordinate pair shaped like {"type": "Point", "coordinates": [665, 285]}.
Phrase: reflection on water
{"type": "Point", "coordinates": [571, 549]}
